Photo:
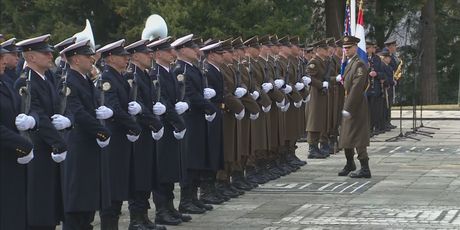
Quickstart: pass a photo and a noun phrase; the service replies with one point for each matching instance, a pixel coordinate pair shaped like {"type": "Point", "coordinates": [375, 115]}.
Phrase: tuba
{"type": "Point", "coordinates": [155, 27]}
{"type": "Point", "coordinates": [86, 34]}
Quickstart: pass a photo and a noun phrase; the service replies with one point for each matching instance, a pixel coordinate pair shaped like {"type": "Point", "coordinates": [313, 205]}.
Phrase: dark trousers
{"type": "Point", "coordinates": [78, 221]}
{"type": "Point", "coordinates": [163, 193]}
{"type": "Point", "coordinates": [139, 203]}
{"type": "Point", "coordinates": [113, 211]}
{"type": "Point", "coordinates": [376, 112]}
{"type": "Point", "coordinates": [41, 227]}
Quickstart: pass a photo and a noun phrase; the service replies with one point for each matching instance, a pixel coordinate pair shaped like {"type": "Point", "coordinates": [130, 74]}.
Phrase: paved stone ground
{"type": "Point", "coordinates": [415, 185]}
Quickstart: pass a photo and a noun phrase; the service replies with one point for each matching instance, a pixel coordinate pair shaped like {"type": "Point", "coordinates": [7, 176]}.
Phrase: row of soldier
{"type": "Point", "coordinates": [224, 117]}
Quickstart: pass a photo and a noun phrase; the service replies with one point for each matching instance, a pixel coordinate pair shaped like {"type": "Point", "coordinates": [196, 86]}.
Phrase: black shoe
{"type": "Point", "coordinates": [314, 152]}
{"type": "Point", "coordinates": [202, 205]}
{"type": "Point", "coordinates": [347, 169]}
{"type": "Point", "coordinates": [166, 217]}
{"type": "Point", "coordinates": [223, 189]}
{"type": "Point", "coordinates": [235, 189]}
{"type": "Point", "coordinates": [175, 213]}
{"type": "Point", "coordinates": [364, 172]}
{"type": "Point", "coordinates": [239, 184]}
{"type": "Point", "coordinates": [325, 149]}
{"type": "Point", "coordinates": [211, 198]}
{"type": "Point", "coordinates": [190, 208]}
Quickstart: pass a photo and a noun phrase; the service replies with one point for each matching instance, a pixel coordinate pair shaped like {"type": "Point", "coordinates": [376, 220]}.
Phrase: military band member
{"type": "Point", "coordinates": [125, 130]}
{"type": "Point", "coordinates": [85, 169]}
{"type": "Point", "coordinates": [16, 152]}
{"type": "Point", "coordinates": [168, 164]}
{"type": "Point", "coordinates": [318, 68]}
{"type": "Point", "coordinates": [11, 59]}
{"type": "Point", "coordinates": [144, 154]}
{"type": "Point", "coordinates": [387, 86]}
{"type": "Point", "coordinates": [63, 65]}
{"type": "Point", "coordinates": [201, 111]}
{"type": "Point", "coordinates": [391, 47]}
{"type": "Point", "coordinates": [44, 193]}
{"type": "Point", "coordinates": [354, 132]}
{"type": "Point", "coordinates": [375, 93]}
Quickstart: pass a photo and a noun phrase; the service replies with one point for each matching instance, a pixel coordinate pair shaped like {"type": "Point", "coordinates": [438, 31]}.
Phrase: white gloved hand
{"type": "Point", "coordinates": [286, 107]}
{"type": "Point", "coordinates": [26, 159]}
{"type": "Point", "coordinates": [279, 83]}
{"type": "Point", "coordinates": [253, 116]}
{"type": "Point", "coordinates": [299, 86]}
{"type": "Point", "coordinates": [240, 92]}
{"type": "Point", "coordinates": [306, 80]}
{"type": "Point", "coordinates": [298, 104]}
{"type": "Point", "coordinates": [134, 108]}
{"type": "Point", "coordinates": [60, 122]}
{"type": "Point", "coordinates": [307, 99]}
{"type": "Point", "coordinates": [240, 115]}
{"type": "Point", "coordinates": [159, 109]}
{"type": "Point", "coordinates": [132, 138]}
{"type": "Point", "coordinates": [338, 78]}
{"type": "Point", "coordinates": [255, 95]}
{"type": "Point", "coordinates": [157, 135]}
{"type": "Point", "coordinates": [266, 109]}
{"type": "Point", "coordinates": [180, 135]}
{"type": "Point", "coordinates": [210, 118]}
{"type": "Point", "coordinates": [181, 107]}
{"type": "Point", "coordinates": [287, 89]}
{"type": "Point", "coordinates": [102, 144]}
{"type": "Point", "coordinates": [103, 113]}
{"type": "Point", "coordinates": [326, 84]}
{"type": "Point", "coordinates": [59, 157]}
{"type": "Point", "coordinates": [267, 86]}
{"type": "Point", "coordinates": [208, 93]}
{"type": "Point", "coordinates": [281, 104]}
{"type": "Point", "coordinates": [24, 122]}
{"type": "Point", "coordinates": [345, 114]}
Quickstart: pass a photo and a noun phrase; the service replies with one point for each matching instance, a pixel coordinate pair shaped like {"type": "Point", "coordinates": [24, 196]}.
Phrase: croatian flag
{"type": "Point", "coordinates": [361, 34]}
{"type": "Point", "coordinates": [347, 31]}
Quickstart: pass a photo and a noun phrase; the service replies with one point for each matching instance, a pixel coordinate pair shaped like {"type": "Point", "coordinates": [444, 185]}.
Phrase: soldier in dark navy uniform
{"type": "Point", "coordinates": [195, 159]}
{"type": "Point", "coordinates": [11, 58]}
{"type": "Point", "coordinates": [63, 65]}
{"type": "Point", "coordinates": [375, 90]}
{"type": "Point", "coordinates": [16, 151]}
{"type": "Point", "coordinates": [85, 178]}
{"type": "Point", "coordinates": [144, 151]}
{"type": "Point", "coordinates": [168, 163]}
{"type": "Point", "coordinates": [125, 130]}
{"type": "Point", "coordinates": [44, 196]}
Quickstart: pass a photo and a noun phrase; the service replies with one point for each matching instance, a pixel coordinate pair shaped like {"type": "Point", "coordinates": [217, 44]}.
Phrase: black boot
{"type": "Point", "coordinates": [325, 149]}
{"type": "Point", "coordinates": [364, 172]}
{"type": "Point", "coordinates": [186, 205]}
{"type": "Point", "coordinates": [239, 182]}
{"type": "Point", "coordinates": [198, 202]}
{"type": "Point", "coordinates": [314, 152]}
{"type": "Point", "coordinates": [136, 221]}
{"type": "Point", "coordinates": [109, 223]}
{"type": "Point", "coordinates": [253, 176]}
{"type": "Point", "coordinates": [349, 167]}
{"type": "Point", "coordinates": [175, 213]}
{"type": "Point", "coordinates": [149, 224]}
{"type": "Point", "coordinates": [208, 192]}
{"type": "Point", "coordinates": [223, 189]}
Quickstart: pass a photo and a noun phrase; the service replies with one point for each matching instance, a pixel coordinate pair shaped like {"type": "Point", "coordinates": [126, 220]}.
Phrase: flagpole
{"type": "Point", "coordinates": [353, 17]}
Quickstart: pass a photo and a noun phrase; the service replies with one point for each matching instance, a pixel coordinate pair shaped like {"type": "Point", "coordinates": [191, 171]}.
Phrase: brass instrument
{"type": "Point", "coordinates": [398, 73]}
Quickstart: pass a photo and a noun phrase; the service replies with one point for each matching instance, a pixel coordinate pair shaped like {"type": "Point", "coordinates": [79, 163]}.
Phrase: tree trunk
{"type": "Point", "coordinates": [335, 14]}
{"type": "Point", "coordinates": [428, 80]}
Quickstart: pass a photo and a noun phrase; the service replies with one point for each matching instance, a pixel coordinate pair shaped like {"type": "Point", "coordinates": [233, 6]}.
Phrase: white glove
{"type": "Point", "coordinates": [267, 86]}
{"type": "Point", "coordinates": [103, 113]}
{"type": "Point", "coordinates": [306, 80]}
{"type": "Point", "coordinates": [338, 78]}
{"type": "Point", "coordinates": [255, 95]}
{"type": "Point", "coordinates": [298, 104]}
{"type": "Point", "coordinates": [279, 83]}
{"type": "Point", "coordinates": [326, 84]}
{"type": "Point", "coordinates": [240, 92]}
{"type": "Point", "coordinates": [26, 159]}
{"type": "Point", "coordinates": [102, 144]}
{"type": "Point", "coordinates": [24, 122]}
{"type": "Point", "coordinates": [253, 116]}
{"type": "Point", "coordinates": [59, 157]}
{"type": "Point", "coordinates": [181, 107]}
{"type": "Point", "coordinates": [210, 118]}
{"type": "Point", "coordinates": [60, 122]}
{"type": "Point", "coordinates": [266, 109]}
{"type": "Point", "coordinates": [159, 109]}
{"type": "Point", "coordinates": [299, 86]}
{"type": "Point", "coordinates": [287, 89]}
{"type": "Point", "coordinates": [179, 135]}
{"type": "Point", "coordinates": [132, 138]}
{"type": "Point", "coordinates": [281, 104]}
{"type": "Point", "coordinates": [346, 114]}
{"type": "Point", "coordinates": [240, 115]}
{"type": "Point", "coordinates": [157, 135]}
{"type": "Point", "coordinates": [286, 107]}
{"type": "Point", "coordinates": [307, 99]}
{"type": "Point", "coordinates": [134, 108]}
{"type": "Point", "coordinates": [208, 93]}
